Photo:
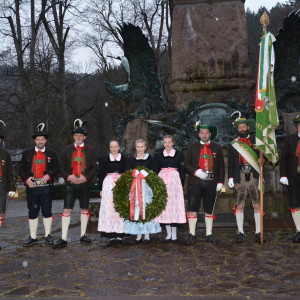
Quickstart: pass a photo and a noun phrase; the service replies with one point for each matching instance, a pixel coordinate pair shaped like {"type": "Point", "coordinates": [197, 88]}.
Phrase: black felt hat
{"type": "Point", "coordinates": [79, 127]}
{"type": "Point", "coordinates": [40, 131]}
{"type": "Point", "coordinates": [2, 129]}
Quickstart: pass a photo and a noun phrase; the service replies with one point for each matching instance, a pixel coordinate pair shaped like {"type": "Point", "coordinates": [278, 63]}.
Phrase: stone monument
{"type": "Point", "coordinates": [210, 58]}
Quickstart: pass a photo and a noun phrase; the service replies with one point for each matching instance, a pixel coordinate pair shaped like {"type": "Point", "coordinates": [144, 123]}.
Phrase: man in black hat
{"type": "Point", "coordinates": [205, 165]}
{"type": "Point", "coordinates": [290, 174]}
{"type": "Point", "coordinates": [79, 167]}
{"type": "Point", "coordinates": [39, 166]}
{"type": "Point", "coordinates": [243, 175]}
{"type": "Point", "coordinates": [7, 180]}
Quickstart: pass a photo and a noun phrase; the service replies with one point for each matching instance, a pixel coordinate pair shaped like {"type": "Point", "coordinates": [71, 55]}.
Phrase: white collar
{"type": "Point", "coordinates": [81, 145]}
{"type": "Point", "coordinates": [204, 143]}
{"type": "Point", "coordinates": [37, 149]}
{"type": "Point", "coordinates": [171, 154]}
{"type": "Point", "coordinates": [144, 158]}
{"type": "Point", "coordinates": [118, 158]}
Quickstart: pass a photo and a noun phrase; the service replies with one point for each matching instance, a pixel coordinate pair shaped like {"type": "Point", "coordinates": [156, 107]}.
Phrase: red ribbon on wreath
{"type": "Point", "coordinates": [136, 194]}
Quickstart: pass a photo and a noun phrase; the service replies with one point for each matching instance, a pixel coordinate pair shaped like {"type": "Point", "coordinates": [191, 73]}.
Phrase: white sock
{"type": "Point", "coordinates": [174, 233]}
{"type": "Point", "coordinates": [84, 218]}
{"type": "Point", "coordinates": [192, 225]}
{"type": "Point", "coordinates": [65, 222]}
{"type": "Point", "coordinates": [33, 225]}
{"type": "Point", "coordinates": [47, 225]}
{"type": "Point", "coordinates": [239, 215]}
{"type": "Point", "coordinates": [296, 218]}
{"type": "Point", "coordinates": [146, 236]}
{"type": "Point", "coordinates": [208, 224]}
{"type": "Point", "coordinates": [257, 222]}
{"type": "Point", "coordinates": [169, 232]}
{"type": "Point", "coordinates": [138, 237]}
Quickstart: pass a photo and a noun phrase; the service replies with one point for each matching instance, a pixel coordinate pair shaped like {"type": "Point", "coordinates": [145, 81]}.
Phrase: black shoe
{"type": "Point", "coordinates": [211, 239]}
{"type": "Point", "coordinates": [119, 240]}
{"type": "Point", "coordinates": [257, 238]}
{"type": "Point", "coordinates": [147, 241]}
{"type": "Point", "coordinates": [49, 239]}
{"type": "Point", "coordinates": [60, 243]}
{"type": "Point", "coordinates": [85, 239]}
{"type": "Point", "coordinates": [296, 238]}
{"type": "Point", "coordinates": [30, 241]}
{"type": "Point", "coordinates": [191, 239]}
{"type": "Point", "coordinates": [135, 242]}
{"type": "Point", "coordinates": [240, 237]}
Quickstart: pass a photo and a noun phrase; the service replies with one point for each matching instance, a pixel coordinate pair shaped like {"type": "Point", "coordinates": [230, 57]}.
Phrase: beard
{"type": "Point", "coordinates": [243, 134]}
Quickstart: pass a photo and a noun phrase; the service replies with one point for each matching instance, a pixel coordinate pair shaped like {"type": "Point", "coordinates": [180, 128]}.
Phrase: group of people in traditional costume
{"type": "Point", "coordinates": [203, 162]}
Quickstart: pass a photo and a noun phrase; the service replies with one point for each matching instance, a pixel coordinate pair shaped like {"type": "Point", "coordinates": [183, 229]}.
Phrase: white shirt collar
{"type": "Point", "coordinates": [145, 157]}
{"type": "Point", "coordinates": [208, 142]}
{"type": "Point", "coordinates": [37, 149]}
{"type": "Point", "coordinates": [118, 158]}
{"type": "Point", "coordinates": [81, 145]}
{"type": "Point", "coordinates": [171, 154]}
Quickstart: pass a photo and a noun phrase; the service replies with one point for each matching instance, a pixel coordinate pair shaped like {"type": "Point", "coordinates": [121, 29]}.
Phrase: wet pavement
{"type": "Point", "coordinates": [155, 269]}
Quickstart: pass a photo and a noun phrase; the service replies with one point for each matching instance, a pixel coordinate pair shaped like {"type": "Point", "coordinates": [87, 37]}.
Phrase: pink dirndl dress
{"type": "Point", "coordinates": [175, 210]}
{"type": "Point", "coordinates": [109, 219]}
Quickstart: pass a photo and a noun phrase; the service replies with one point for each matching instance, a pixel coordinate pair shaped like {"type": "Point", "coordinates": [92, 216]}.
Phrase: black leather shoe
{"type": "Point", "coordinates": [30, 241]}
{"type": "Point", "coordinates": [191, 239]}
{"type": "Point", "coordinates": [146, 241]}
{"type": "Point", "coordinates": [49, 239]}
{"type": "Point", "coordinates": [296, 238]}
{"type": "Point", "coordinates": [135, 242]}
{"type": "Point", "coordinates": [240, 237]}
{"type": "Point", "coordinates": [211, 239]}
{"type": "Point", "coordinates": [257, 238]}
{"type": "Point", "coordinates": [60, 243]}
{"type": "Point", "coordinates": [85, 239]}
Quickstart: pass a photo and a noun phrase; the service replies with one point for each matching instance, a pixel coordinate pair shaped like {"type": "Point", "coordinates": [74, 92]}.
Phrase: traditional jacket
{"type": "Point", "coordinates": [289, 160]}
{"type": "Point", "coordinates": [234, 165]}
{"type": "Point", "coordinates": [110, 166]}
{"type": "Point", "coordinates": [192, 162]}
{"type": "Point", "coordinates": [51, 168]}
{"type": "Point", "coordinates": [177, 161]}
{"type": "Point", "coordinates": [90, 169]}
{"type": "Point", "coordinates": [132, 162]}
{"type": "Point", "coordinates": [7, 177]}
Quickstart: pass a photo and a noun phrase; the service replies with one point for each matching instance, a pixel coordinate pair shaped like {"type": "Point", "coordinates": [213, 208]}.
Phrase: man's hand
{"type": "Point", "coordinates": [219, 187]}
{"type": "Point", "coordinates": [73, 179]}
{"type": "Point", "coordinates": [11, 194]}
{"type": "Point", "coordinates": [201, 174]}
{"type": "Point", "coordinates": [82, 179]}
{"type": "Point", "coordinates": [284, 180]}
{"type": "Point", "coordinates": [230, 183]}
{"type": "Point", "coordinates": [30, 183]}
{"type": "Point", "coordinates": [45, 179]}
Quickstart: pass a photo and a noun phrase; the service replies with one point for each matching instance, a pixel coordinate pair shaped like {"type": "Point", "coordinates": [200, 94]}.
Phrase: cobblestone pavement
{"type": "Point", "coordinates": [155, 269]}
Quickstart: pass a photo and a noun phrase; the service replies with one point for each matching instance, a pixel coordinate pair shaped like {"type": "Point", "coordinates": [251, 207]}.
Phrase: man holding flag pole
{"type": "Point", "coordinates": [265, 106]}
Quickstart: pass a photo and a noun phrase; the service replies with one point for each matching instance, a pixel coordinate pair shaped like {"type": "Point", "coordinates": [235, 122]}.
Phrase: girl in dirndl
{"type": "Point", "coordinates": [110, 224]}
{"type": "Point", "coordinates": [141, 158]}
{"type": "Point", "coordinates": [169, 164]}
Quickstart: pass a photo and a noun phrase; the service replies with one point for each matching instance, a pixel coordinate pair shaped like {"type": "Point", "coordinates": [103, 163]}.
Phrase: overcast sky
{"type": "Point", "coordinates": [256, 4]}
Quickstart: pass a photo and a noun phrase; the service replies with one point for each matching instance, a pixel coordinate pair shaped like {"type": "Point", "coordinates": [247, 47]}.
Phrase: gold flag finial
{"type": "Point", "coordinates": [264, 20]}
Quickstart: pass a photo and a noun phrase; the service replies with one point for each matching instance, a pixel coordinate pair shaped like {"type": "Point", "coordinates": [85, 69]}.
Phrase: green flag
{"type": "Point", "coordinates": [265, 103]}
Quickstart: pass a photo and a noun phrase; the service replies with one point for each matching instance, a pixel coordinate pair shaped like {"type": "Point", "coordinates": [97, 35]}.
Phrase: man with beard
{"type": "Point", "coordinates": [290, 174]}
{"type": "Point", "coordinates": [78, 167]}
{"type": "Point", "coordinates": [205, 166]}
{"type": "Point", "coordinates": [243, 175]}
{"type": "Point", "coordinates": [7, 180]}
{"type": "Point", "coordinates": [38, 167]}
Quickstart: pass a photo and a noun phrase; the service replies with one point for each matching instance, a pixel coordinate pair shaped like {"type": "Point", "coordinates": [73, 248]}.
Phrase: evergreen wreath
{"type": "Point", "coordinates": [122, 190]}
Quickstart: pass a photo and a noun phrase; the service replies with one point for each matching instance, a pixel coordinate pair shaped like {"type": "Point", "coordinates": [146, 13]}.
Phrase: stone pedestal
{"type": "Point", "coordinates": [210, 59]}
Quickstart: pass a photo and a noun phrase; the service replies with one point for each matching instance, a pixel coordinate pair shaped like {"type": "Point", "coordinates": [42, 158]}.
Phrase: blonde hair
{"type": "Point", "coordinates": [168, 136]}
{"type": "Point", "coordinates": [138, 141]}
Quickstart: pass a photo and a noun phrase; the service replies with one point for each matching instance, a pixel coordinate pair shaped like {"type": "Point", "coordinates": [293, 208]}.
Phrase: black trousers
{"type": "Point", "coordinates": [294, 191]}
{"type": "Point", "coordinates": [2, 199]}
{"type": "Point", "coordinates": [206, 191]}
{"type": "Point", "coordinates": [80, 191]}
{"type": "Point", "coordinates": [39, 198]}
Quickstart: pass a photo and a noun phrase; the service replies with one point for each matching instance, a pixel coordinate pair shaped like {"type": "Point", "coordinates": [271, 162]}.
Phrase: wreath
{"type": "Point", "coordinates": [122, 190]}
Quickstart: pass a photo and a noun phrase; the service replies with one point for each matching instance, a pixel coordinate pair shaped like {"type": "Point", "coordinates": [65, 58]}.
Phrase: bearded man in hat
{"type": "Point", "coordinates": [290, 174]}
{"type": "Point", "coordinates": [205, 165]}
{"type": "Point", "coordinates": [78, 167]}
{"type": "Point", "coordinates": [7, 180]}
{"type": "Point", "coordinates": [243, 174]}
{"type": "Point", "coordinates": [39, 165]}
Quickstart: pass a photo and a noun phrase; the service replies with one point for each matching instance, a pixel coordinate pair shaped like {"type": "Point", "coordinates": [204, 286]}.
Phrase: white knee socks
{"type": "Point", "coordinates": [239, 215]}
{"type": "Point", "coordinates": [208, 224]}
{"type": "Point", "coordinates": [169, 232]}
{"type": "Point", "coordinates": [47, 225]}
{"type": "Point", "coordinates": [296, 218]}
{"type": "Point", "coordinates": [65, 222]}
{"type": "Point", "coordinates": [84, 218]}
{"type": "Point", "coordinates": [33, 225]}
{"type": "Point", "coordinates": [192, 225]}
{"type": "Point", "coordinates": [257, 222]}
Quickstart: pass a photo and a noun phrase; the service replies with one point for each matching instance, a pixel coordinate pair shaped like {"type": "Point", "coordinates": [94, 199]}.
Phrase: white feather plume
{"type": "Point", "coordinates": [3, 123]}
{"type": "Point", "coordinates": [236, 112]}
{"type": "Point", "coordinates": [40, 127]}
{"type": "Point", "coordinates": [79, 123]}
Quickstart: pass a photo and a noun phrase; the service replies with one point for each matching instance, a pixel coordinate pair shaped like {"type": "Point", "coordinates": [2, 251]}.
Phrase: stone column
{"type": "Point", "coordinates": [210, 59]}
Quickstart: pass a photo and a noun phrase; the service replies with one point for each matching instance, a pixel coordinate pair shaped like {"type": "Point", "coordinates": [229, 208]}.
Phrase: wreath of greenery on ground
{"type": "Point", "coordinates": [122, 189]}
